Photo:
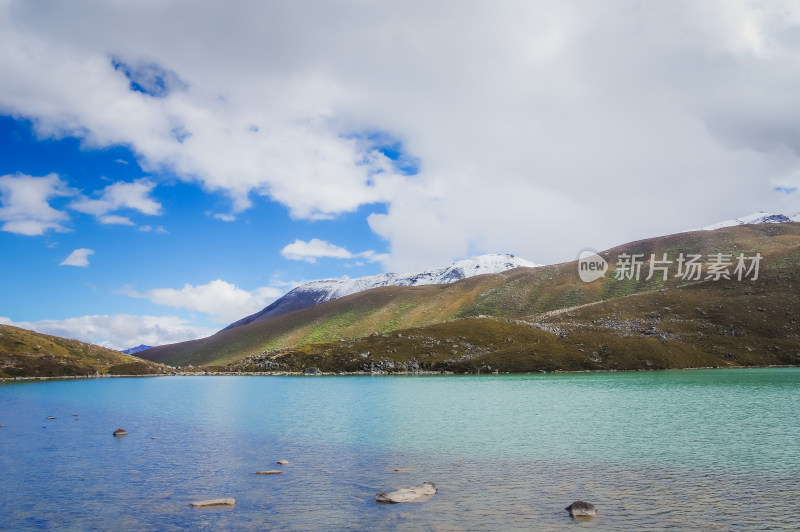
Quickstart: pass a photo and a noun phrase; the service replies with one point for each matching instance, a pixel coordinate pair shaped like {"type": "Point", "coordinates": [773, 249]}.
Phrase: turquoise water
{"type": "Point", "coordinates": [706, 449]}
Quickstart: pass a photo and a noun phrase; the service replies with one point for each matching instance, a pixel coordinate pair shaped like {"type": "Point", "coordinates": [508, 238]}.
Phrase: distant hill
{"type": "Point", "coordinates": [317, 292]}
{"type": "Point", "coordinates": [25, 353]}
{"type": "Point", "coordinates": [137, 349]}
{"type": "Point", "coordinates": [555, 321]}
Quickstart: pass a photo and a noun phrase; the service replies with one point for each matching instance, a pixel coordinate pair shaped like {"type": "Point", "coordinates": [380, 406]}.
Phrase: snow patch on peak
{"type": "Point", "coordinates": [317, 292]}
{"type": "Point", "coordinates": [760, 217]}
{"type": "Point", "coordinates": [329, 289]}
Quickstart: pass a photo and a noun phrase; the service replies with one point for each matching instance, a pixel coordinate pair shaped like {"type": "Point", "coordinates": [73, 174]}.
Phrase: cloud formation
{"type": "Point", "coordinates": [25, 204]}
{"type": "Point", "coordinates": [27, 210]}
{"type": "Point", "coordinates": [117, 196]}
{"type": "Point", "coordinates": [539, 127]}
{"type": "Point", "coordinates": [223, 301]}
{"type": "Point", "coordinates": [119, 331]}
{"type": "Point", "coordinates": [79, 257]}
{"type": "Point", "coordinates": [316, 249]}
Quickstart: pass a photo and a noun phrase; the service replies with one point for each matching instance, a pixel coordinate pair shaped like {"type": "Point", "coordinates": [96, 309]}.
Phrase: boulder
{"type": "Point", "coordinates": [581, 509]}
{"type": "Point", "coordinates": [311, 371]}
{"type": "Point", "coordinates": [120, 432]}
{"type": "Point", "coordinates": [214, 502]}
{"type": "Point", "coordinates": [420, 493]}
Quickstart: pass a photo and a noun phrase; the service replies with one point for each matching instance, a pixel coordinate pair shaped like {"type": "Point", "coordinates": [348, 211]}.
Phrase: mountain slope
{"type": "Point", "coordinates": [708, 323]}
{"type": "Point", "coordinates": [317, 292]}
{"type": "Point", "coordinates": [523, 293]}
{"type": "Point", "coordinates": [25, 353]}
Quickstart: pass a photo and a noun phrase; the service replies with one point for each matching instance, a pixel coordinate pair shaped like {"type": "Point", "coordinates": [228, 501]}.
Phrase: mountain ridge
{"type": "Point", "coordinates": [138, 349]}
{"type": "Point", "coordinates": [316, 292]}
{"type": "Point", "coordinates": [760, 217]}
{"type": "Point", "coordinates": [514, 294]}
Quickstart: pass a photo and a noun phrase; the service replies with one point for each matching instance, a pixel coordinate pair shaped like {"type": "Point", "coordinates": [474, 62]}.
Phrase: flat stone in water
{"type": "Point", "coordinates": [420, 493]}
{"type": "Point", "coordinates": [269, 472]}
{"type": "Point", "coordinates": [214, 502]}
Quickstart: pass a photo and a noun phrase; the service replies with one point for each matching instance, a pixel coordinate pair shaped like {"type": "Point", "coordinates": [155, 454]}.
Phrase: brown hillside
{"type": "Point", "coordinates": [25, 353]}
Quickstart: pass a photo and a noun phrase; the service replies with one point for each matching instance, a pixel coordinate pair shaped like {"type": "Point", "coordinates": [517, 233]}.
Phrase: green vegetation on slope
{"type": "Point", "coordinates": [602, 317]}
{"type": "Point", "coordinates": [26, 353]}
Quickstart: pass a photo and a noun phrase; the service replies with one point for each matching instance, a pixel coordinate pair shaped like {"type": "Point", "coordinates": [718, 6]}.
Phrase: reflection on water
{"type": "Point", "coordinates": [713, 450]}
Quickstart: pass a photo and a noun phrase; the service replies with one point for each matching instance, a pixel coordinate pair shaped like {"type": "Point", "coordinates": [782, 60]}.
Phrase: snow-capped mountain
{"type": "Point", "coordinates": [759, 217]}
{"type": "Point", "coordinates": [317, 292]}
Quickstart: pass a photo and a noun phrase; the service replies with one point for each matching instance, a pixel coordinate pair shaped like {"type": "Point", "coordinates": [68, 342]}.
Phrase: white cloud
{"type": "Point", "coordinates": [313, 249]}
{"type": "Point", "coordinates": [540, 128]}
{"type": "Point", "coordinates": [79, 257]}
{"type": "Point", "coordinates": [316, 249]}
{"type": "Point", "coordinates": [120, 195]}
{"type": "Point", "coordinates": [149, 228]}
{"type": "Point", "coordinates": [225, 217]}
{"type": "Point", "coordinates": [119, 331]}
{"type": "Point", "coordinates": [25, 204]}
{"type": "Point", "coordinates": [113, 219]}
{"type": "Point", "coordinates": [223, 301]}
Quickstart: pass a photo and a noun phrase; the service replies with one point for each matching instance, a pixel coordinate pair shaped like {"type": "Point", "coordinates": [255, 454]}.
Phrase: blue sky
{"type": "Point", "coordinates": [167, 168]}
{"type": "Point", "coordinates": [169, 235]}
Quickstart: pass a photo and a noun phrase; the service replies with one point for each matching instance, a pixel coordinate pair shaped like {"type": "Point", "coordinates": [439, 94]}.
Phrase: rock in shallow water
{"type": "Point", "coordinates": [120, 432]}
{"type": "Point", "coordinates": [282, 462]}
{"type": "Point", "coordinates": [581, 509]}
{"type": "Point", "coordinates": [420, 493]}
{"type": "Point", "coordinates": [269, 472]}
{"type": "Point", "coordinates": [214, 502]}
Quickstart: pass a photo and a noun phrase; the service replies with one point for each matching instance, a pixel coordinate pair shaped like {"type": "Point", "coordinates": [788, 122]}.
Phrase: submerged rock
{"type": "Point", "coordinates": [420, 493]}
{"type": "Point", "coordinates": [269, 472]}
{"type": "Point", "coordinates": [214, 502]}
{"type": "Point", "coordinates": [581, 509]}
{"type": "Point", "coordinates": [120, 432]}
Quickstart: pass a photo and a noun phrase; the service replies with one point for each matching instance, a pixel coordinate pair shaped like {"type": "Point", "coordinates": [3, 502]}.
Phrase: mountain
{"type": "Point", "coordinates": [25, 353]}
{"type": "Point", "coordinates": [545, 318]}
{"type": "Point", "coordinates": [317, 292]}
{"type": "Point", "coordinates": [137, 349]}
{"type": "Point", "coordinates": [759, 217]}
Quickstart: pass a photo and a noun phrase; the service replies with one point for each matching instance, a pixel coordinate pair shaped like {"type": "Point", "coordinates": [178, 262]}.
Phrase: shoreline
{"type": "Point", "coordinates": [370, 374]}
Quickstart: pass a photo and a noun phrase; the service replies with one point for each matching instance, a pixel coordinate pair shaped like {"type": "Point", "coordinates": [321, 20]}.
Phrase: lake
{"type": "Point", "coordinates": [702, 449]}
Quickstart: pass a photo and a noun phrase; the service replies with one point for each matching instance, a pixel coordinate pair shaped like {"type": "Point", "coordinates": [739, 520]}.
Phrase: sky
{"type": "Point", "coordinates": [168, 167]}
